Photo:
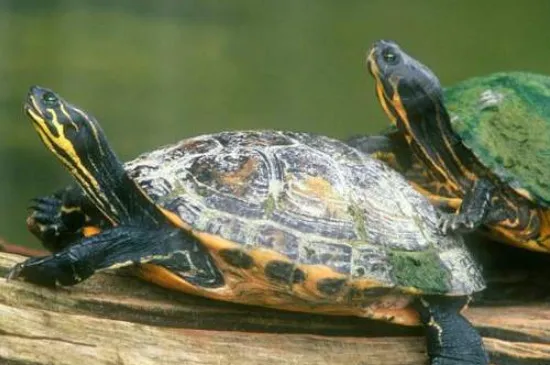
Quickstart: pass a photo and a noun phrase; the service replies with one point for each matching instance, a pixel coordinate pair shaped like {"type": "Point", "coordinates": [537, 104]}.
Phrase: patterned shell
{"type": "Point", "coordinates": [312, 199]}
{"type": "Point", "coordinates": [504, 119]}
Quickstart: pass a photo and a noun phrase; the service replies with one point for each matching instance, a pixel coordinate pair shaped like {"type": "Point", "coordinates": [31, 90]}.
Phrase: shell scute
{"type": "Point", "coordinates": [234, 175]}
{"type": "Point", "coordinates": [198, 145]}
{"type": "Point", "coordinates": [254, 139]}
{"type": "Point", "coordinates": [371, 261]}
{"type": "Point", "coordinates": [279, 239]}
{"type": "Point", "coordinates": [322, 252]}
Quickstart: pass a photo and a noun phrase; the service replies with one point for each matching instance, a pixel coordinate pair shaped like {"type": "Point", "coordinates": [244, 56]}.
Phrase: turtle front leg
{"type": "Point", "coordinates": [451, 339]}
{"type": "Point", "coordinates": [61, 219]}
{"type": "Point", "coordinates": [472, 212]}
{"type": "Point", "coordinates": [118, 247]}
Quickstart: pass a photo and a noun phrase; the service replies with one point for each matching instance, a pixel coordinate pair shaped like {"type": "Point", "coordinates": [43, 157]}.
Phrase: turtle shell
{"type": "Point", "coordinates": [309, 217]}
{"type": "Point", "coordinates": [504, 119]}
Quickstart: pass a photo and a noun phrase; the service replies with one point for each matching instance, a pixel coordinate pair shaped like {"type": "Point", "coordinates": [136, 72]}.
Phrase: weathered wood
{"type": "Point", "coordinates": [114, 319]}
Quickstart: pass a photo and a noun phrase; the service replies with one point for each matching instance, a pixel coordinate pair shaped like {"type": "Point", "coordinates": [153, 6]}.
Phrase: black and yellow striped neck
{"type": "Point", "coordinates": [427, 128]}
{"type": "Point", "coordinates": [412, 97]}
{"type": "Point", "coordinates": [77, 140]}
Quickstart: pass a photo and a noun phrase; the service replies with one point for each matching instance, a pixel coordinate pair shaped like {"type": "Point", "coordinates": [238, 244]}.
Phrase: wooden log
{"type": "Point", "coordinates": [117, 319]}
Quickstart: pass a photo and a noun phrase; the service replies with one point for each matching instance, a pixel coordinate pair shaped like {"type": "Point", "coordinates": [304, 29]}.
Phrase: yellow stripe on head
{"type": "Point", "coordinates": [66, 113]}
{"type": "Point", "coordinates": [52, 134]}
{"type": "Point", "coordinates": [381, 94]}
{"type": "Point", "coordinates": [93, 127]}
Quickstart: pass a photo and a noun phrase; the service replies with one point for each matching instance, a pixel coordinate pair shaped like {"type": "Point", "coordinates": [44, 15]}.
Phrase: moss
{"type": "Point", "coordinates": [178, 191]}
{"type": "Point", "coordinates": [358, 217]}
{"type": "Point", "coordinates": [270, 205]}
{"type": "Point", "coordinates": [422, 270]}
{"type": "Point", "coordinates": [510, 137]}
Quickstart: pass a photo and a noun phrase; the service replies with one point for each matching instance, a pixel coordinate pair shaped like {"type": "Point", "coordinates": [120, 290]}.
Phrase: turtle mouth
{"type": "Point", "coordinates": [376, 67]}
{"type": "Point", "coordinates": [32, 112]}
{"type": "Point", "coordinates": [31, 107]}
{"type": "Point", "coordinates": [377, 73]}
{"type": "Point", "coordinates": [370, 60]}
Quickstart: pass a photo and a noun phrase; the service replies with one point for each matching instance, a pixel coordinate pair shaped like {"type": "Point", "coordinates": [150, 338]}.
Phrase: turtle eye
{"type": "Point", "coordinates": [390, 57]}
{"type": "Point", "coordinates": [49, 99]}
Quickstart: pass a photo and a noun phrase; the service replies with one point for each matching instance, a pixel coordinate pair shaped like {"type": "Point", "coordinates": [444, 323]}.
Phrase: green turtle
{"type": "Point", "coordinates": [480, 149]}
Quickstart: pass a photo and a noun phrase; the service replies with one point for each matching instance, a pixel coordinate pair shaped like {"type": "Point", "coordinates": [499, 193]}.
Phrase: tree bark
{"type": "Point", "coordinates": [117, 319]}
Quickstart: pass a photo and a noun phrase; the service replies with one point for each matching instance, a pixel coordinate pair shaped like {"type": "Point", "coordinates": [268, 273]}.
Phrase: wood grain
{"type": "Point", "coordinates": [117, 319]}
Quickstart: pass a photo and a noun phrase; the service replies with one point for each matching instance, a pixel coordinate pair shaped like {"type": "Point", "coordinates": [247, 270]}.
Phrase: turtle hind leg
{"type": "Point", "coordinates": [451, 339]}
{"type": "Point", "coordinates": [60, 219]}
{"type": "Point", "coordinates": [117, 247]}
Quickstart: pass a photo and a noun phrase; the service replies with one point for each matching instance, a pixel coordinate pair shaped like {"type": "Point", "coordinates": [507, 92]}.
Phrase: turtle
{"type": "Point", "coordinates": [287, 220]}
{"type": "Point", "coordinates": [479, 150]}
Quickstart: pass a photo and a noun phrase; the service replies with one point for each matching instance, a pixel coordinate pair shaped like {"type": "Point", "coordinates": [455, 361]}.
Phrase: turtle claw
{"type": "Point", "coordinates": [14, 272]}
{"type": "Point", "coordinates": [44, 201]}
{"type": "Point", "coordinates": [35, 270]}
{"type": "Point", "coordinates": [44, 221]}
{"type": "Point", "coordinates": [51, 225]}
{"type": "Point", "coordinates": [45, 212]}
{"type": "Point", "coordinates": [460, 223]}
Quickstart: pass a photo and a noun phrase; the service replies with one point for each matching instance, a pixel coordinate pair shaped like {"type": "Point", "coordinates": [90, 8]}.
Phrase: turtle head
{"type": "Point", "coordinates": [71, 134]}
{"type": "Point", "coordinates": [77, 140]}
{"type": "Point", "coordinates": [403, 84]}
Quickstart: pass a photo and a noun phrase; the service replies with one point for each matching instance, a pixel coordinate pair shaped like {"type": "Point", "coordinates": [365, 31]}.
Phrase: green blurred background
{"type": "Point", "coordinates": [157, 71]}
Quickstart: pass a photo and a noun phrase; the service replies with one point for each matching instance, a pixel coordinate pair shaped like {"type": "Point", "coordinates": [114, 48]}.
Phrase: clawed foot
{"type": "Point", "coordinates": [34, 270]}
{"type": "Point", "coordinates": [52, 225]}
{"type": "Point", "coordinates": [461, 223]}
{"type": "Point", "coordinates": [15, 272]}
{"type": "Point", "coordinates": [50, 271]}
{"type": "Point", "coordinates": [45, 220]}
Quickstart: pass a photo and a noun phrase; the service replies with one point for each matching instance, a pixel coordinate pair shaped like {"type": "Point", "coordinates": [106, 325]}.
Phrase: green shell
{"type": "Point", "coordinates": [504, 118]}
